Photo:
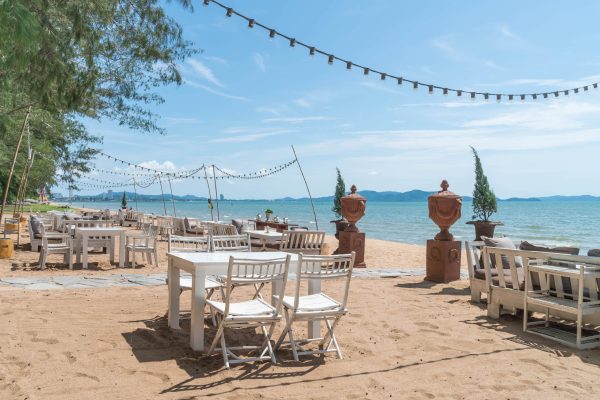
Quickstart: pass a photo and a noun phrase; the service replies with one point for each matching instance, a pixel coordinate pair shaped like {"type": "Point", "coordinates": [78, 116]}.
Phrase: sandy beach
{"type": "Point", "coordinates": [403, 338]}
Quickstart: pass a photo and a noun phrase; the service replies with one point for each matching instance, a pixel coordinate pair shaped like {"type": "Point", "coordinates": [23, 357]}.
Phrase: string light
{"type": "Point", "coordinates": [313, 50]}
{"type": "Point", "coordinates": [330, 60]}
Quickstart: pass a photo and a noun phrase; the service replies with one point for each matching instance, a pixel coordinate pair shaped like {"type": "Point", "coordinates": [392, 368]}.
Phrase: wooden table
{"type": "Point", "coordinates": [113, 232]}
{"type": "Point", "coordinates": [266, 237]}
{"type": "Point", "coordinates": [202, 264]}
{"type": "Point", "coordinates": [279, 226]}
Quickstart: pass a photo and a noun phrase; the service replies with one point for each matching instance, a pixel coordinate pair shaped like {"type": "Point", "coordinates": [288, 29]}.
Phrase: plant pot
{"type": "Point", "coordinates": [268, 216]}
{"type": "Point", "coordinates": [340, 225]}
{"type": "Point", "coordinates": [484, 228]}
{"type": "Point", "coordinates": [7, 248]}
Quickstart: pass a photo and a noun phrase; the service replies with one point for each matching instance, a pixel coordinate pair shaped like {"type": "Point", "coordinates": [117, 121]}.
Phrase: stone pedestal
{"type": "Point", "coordinates": [443, 260]}
{"type": "Point", "coordinates": [353, 241]}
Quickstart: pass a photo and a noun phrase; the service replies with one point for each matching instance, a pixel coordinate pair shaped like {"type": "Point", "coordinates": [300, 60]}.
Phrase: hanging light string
{"type": "Point", "coordinates": [156, 171]}
{"type": "Point", "coordinates": [124, 173]}
{"type": "Point", "coordinates": [431, 88]}
{"type": "Point", "coordinates": [254, 175]}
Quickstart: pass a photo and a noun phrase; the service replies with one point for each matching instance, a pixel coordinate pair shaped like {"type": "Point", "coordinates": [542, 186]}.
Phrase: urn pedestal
{"type": "Point", "coordinates": [443, 253]}
{"type": "Point", "coordinates": [443, 260]}
{"type": "Point", "coordinates": [351, 239]}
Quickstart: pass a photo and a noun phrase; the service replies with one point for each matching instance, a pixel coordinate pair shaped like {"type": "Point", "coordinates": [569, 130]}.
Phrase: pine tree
{"type": "Point", "coordinates": [340, 191]}
{"type": "Point", "coordinates": [484, 199]}
{"type": "Point", "coordinates": [124, 201]}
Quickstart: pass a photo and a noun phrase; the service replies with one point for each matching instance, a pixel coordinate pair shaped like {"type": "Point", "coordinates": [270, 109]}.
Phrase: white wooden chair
{"type": "Point", "coordinates": [476, 270]}
{"type": "Point", "coordinates": [145, 244]}
{"type": "Point", "coordinates": [61, 244]}
{"type": "Point", "coordinates": [190, 244]}
{"type": "Point", "coordinates": [130, 218]}
{"type": "Point", "coordinates": [305, 242]}
{"type": "Point", "coordinates": [231, 242]}
{"type": "Point", "coordinates": [253, 313]}
{"type": "Point", "coordinates": [223, 230]}
{"type": "Point", "coordinates": [317, 307]}
{"type": "Point", "coordinates": [103, 243]}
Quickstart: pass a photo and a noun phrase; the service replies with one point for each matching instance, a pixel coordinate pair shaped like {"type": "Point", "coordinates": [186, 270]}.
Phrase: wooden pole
{"type": "Point", "coordinates": [29, 165]}
{"type": "Point", "coordinates": [14, 162]}
{"type": "Point", "coordinates": [172, 199]}
{"type": "Point", "coordinates": [135, 192]}
{"type": "Point", "coordinates": [163, 195]}
{"type": "Point", "coordinates": [307, 188]}
{"type": "Point", "coordinates": [216, 193]}
{"type": "Point", "coordinates": [212, 217]}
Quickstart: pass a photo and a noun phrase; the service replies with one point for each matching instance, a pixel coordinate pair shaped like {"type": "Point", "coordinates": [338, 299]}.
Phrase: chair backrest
{"type": "Point", "coordinates": [305, 242]}
{"type": "Point", "coordinates": [242, 271]}
{"type": "Point", "coordinates": [130, 215]}
{"type": "Point", "coordinates": [223, 230]}
{"type": "Point", "coordinates": [178, 226]}
{"type": "Point", "coordinates": [474, 258]}
{"type": "Point", "coordinates": [317, 267]}
{"type": "Point", "coordinates": [504, 268]}
{"type": "Point", "coordinates": [230, 242]}
{"type": "Point", "coordinates": [192, 244]}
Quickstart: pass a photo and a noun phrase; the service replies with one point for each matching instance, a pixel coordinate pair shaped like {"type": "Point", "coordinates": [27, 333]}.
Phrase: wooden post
{"type": "Point", "coordinates": [163, 195]}
{"type": "Point", "coordinates": [14, 162]}
{"type": "Point", "coordinates": [212, 217]}
{"type": "Point", "coordinates": [172, 199]}
{"type": "Point", "coordinates": [216, 193]}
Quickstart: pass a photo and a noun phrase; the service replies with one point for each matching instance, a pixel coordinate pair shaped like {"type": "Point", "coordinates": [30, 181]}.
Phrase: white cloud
{"type": "Point", "coordinates": [507, 32]}
{"type": "Point", "coordinates": [259, 60]}
{"type": "Point", "coordinates": [249, 137]}
{"type": "Point", "coordinates": [168, 166]}
{"type": "Point", "coordinates": [204, 72]}
{"type": "Point", "coordinates": [216, 59]}
{"type": "Point", "coordinates": [298, 120]}
{"type": "Point", "coordinates": [302, 102]}
{"type": "Point", "coordinates": [216, 92]}
{"type": "Point", "coordinates": [378, 86]}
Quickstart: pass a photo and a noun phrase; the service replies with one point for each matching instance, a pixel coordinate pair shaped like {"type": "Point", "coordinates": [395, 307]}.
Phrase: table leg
{"type": "Point", "coordinates": [84, 250]}
{"type": "Point", "coordinates": [198, 303]}
{"type": "Point", "coordinates": [264, 245]}
{"type": "Point", "coordinates": [174, 291]}
{"type": "Point", "coordinates": [113, 242]}
{"type": "Point", "coordinates": [122, 250]}
{"type": "Point", "coordinates": [314, 327]}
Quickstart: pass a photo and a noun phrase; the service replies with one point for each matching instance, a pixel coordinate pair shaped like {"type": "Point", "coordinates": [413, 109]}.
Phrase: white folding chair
{"type": "Point", "coordinates": [145, 244]}
{"type": "Point", "coordinates": [231, 242]}
{"type": "Point", "coordinates": [194, 244]}
{"type": "Point", "coordinates": [319, 306]}
{"type": "Point", "coordinates": [61, 244]}
{"type": "Point", "coordinates": [253, 313]}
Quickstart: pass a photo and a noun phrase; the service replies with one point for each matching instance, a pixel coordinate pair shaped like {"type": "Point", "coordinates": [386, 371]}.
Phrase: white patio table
{"type": "Point", "coordinates": [266, 237]}
{"type": "Point", "coordinates": [85, 233]}
{"type": "Point", "coordinates": [202, 264]}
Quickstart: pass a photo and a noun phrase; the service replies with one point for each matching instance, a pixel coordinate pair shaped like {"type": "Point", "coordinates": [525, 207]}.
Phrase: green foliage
{"type": "Point", "coordinates": [340, 191]}
{"type": "Point", "coordinates": [268, 211]}
{"type": "Point", "coordinates": [484, 199]}
{"type": "Point", "coordinates": [124, 201]}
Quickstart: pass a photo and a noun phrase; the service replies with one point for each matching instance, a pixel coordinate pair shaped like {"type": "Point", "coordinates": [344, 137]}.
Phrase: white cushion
{"type": "Point", "coordinates": [256, 307]}
{"type": "Point", "coordinates": [313, 302]}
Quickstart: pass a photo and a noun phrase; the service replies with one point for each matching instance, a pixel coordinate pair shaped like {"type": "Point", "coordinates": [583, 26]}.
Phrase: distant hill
{"type": "Point", "coordinates": [387, 196]}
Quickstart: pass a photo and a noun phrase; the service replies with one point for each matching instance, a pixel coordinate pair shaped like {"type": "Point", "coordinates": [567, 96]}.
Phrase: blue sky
{"type": "Point", "coordinates": [248, 98]}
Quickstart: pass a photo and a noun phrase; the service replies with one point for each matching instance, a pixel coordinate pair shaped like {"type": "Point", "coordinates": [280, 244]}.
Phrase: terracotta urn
{"type": "Point", "coordinates": [353, 208]}
{"type": "Point", "coordinates": [444, 210]}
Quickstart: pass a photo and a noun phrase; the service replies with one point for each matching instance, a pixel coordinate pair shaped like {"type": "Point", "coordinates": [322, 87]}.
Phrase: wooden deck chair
{"type": "Point", "coordinates": [190, 244]}
{"type": "Point", "coordinates": [305, 242]}
{"type": "Point", "coordinates": [476, 271]}
{"type": "Point", "coordinates": [253, 313]}
{"type": "Point", "coordinates": [61, 244]}
{"type": "Point", "coordinates": [317, 307]}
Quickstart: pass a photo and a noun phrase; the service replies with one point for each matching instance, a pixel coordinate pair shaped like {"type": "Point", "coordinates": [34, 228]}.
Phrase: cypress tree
{"type": "Point", "coordinates": [484, 199]}
{"type": "Point", "coordinates": [340, 191]}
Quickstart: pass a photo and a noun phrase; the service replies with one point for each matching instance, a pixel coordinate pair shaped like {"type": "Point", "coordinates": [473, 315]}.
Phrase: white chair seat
{"type": "Point", "coordinates": [313, 302]}
{"type": "Point", "coordinates": [185, 282]}
{"type": "Point", "coordinates": [250, 308]}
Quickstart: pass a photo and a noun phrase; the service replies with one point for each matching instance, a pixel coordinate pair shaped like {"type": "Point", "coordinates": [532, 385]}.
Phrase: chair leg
{"type": "Point", "coordinates": [42, 259]}
{"type": "Point", "coordinates": [224, 350]}
{"type": "Point", "coordinates": [267, 343]}
{"type": "Point", "coordinates": [133, 259]}
{"type": "Point", "coordinates": [333, 341]}
{"type": "Point", "coordinates": [216, 339]}
{"type": "Point", "coordinates": [70, 260]}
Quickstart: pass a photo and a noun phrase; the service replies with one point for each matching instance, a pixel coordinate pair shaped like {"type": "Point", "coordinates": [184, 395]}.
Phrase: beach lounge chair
{"type": "Point", "coordinates": [476, 271]}
{"type": "Point", "coordinates": [317, 307]}
{"type": "Point", "coordinates": [305, 242]}
{"type": "Point", "coordinates": [145, 244]}
{"type": "Point", "coordinates": [252, 313]}
{"type": "Point", "coordinates": [194, 245]}
{"type": "Point", "coordinates": [55, 243]}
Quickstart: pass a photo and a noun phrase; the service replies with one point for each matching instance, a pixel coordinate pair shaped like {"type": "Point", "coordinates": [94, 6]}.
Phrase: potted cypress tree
{"type": "Point", "coordinates": [484, 203]}
{"type": "Point", "coordinates": [340, 191]}
{"type": "Point", "coordinates": [124, 201]}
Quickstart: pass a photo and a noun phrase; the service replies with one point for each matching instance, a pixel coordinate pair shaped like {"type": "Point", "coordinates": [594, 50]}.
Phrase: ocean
{"type": "Point", "coordinates": [556, 223]}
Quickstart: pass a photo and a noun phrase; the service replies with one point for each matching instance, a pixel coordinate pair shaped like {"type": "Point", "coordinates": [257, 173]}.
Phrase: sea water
{"type": "Point", "coordinates": [554, 223]}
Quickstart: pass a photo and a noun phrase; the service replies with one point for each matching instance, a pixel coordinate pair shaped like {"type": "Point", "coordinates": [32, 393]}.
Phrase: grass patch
{"type": "Point", "coordinates": [39, 208]}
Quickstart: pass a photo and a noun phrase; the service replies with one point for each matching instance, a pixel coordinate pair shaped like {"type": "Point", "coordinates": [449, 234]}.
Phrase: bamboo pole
{"type": "Point", "coordinates": [307, 188]}
{"type": "Point", "coordinates": [172, 199]}
{"type": "Point", "coordinates": [216, 193]}
{"type": "Point", "coordinates": [163, 195]}
{"type": "Point", "coordinates": [212, 217]}
{"type": "Point", "coordinates": [14, 162]}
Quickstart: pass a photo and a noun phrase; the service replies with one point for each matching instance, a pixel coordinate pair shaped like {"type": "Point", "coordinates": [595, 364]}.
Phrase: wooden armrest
{"type": "Point", "coordinates": [57, 235]}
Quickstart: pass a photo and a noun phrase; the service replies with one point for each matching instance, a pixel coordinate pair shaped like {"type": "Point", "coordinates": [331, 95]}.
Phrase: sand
{"type": "Point", "coordinates": [403, 338]}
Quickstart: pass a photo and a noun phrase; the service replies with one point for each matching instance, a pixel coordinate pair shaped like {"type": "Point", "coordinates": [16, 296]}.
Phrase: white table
{"type": "Point", "coordinates": [202, 264]}
{"type": "Point", "coordinates": [266, 237]}
{"type": "Point", "coordinates": [113, 232]}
